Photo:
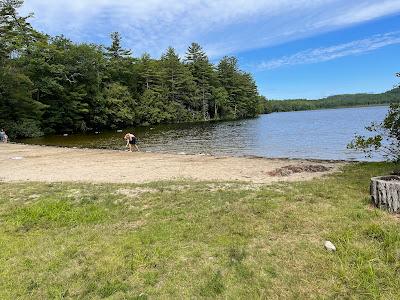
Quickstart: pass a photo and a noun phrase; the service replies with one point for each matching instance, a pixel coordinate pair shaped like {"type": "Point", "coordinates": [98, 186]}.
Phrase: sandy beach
{"type": "Point", "coordinates": [53, 164]}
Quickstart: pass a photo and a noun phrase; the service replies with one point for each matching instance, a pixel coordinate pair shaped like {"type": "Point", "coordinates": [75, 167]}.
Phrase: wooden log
{"type": "Point", "coordinates": [385, 192]}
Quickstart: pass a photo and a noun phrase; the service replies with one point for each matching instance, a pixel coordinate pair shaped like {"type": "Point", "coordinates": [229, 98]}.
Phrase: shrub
{"type": "Point", "coordinates": [385, 138]}
{"type": "Point", "coordinates": [23, 129]}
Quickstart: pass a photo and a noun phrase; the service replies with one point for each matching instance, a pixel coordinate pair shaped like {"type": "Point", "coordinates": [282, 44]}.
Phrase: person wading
{"type": "Point", "coordinates": [131, 140]}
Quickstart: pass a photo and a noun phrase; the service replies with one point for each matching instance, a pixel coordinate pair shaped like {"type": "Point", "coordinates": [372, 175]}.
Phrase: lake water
{"type": "Point", "coordinates": [320, 134]}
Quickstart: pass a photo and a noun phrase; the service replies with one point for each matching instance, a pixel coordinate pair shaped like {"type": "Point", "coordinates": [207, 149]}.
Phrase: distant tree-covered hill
{"type": "Point", "coordinates": [346, 100]}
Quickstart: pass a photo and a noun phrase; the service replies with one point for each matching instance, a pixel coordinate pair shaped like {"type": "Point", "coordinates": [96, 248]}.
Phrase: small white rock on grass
{"type": "Point", "coordinates": [329, 246]}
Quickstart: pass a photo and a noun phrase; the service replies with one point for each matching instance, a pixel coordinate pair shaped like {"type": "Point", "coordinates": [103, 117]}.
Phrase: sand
{"type": "Point", "coordinates": [54, 164]}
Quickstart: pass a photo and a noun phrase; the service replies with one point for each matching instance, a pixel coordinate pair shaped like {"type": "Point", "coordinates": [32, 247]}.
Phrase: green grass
{"type": "Point", "coordinates": [199, 240]}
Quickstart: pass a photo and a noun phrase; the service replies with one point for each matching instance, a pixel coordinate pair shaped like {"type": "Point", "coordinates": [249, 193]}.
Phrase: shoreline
{"type": "Point", "coordinates": [327, 108]}
{"type": "Point", "coordinates": [249, 156]}
{"type": "Point", "coordinates": [21, 162]}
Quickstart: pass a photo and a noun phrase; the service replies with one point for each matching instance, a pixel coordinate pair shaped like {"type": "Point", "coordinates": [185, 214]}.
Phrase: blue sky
{"type": "Point", "coordinates": [294, 48]}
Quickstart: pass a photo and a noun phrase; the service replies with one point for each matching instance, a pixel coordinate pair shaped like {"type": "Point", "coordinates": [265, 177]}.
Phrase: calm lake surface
{"type": "Point", "coordinates": [320, 134]}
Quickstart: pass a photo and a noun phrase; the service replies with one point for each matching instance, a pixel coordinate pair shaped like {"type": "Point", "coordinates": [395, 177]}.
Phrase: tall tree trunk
{"type": "Point", "coordinates": [204, 107]}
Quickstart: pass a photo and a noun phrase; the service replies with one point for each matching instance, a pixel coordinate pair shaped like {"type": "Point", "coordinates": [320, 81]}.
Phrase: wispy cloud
{"type": "Point", "coordinates": [223, 27]}
{"type": "Point", "coordinates": [329, 53]}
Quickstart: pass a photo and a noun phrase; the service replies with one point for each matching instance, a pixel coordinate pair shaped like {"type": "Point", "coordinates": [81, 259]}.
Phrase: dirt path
{"type": "Point", "coordinates": [52, 164]}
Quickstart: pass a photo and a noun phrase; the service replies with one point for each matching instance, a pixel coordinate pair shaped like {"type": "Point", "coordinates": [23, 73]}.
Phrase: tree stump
{"type": "Point", "coordinates": [385, 192]}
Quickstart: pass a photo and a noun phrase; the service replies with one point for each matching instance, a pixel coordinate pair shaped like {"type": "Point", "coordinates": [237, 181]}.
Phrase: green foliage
{"type": "Point", "coordinates": [392, 96]}
{"type": "Point", "coordinates": [60, 86]}
{"type": "Point", "coordinates": [203, 77]}
{"type": "Point", "coordinates": [221, 98]}
{"type": "Point", "coordinates": [119, 107]}
{"type": "Point", "coordinates": [240, 86]}
{"type": "Point", "coordinates": [23, 128]}
{"type": "Point", "coordinates": [115, 51]}
{"type": "Point", "coordinates": [15, 32]}
{"type": "Point", "coordinates": [20, 113]}
{"type": "Point", "coordinates": [385, 136]}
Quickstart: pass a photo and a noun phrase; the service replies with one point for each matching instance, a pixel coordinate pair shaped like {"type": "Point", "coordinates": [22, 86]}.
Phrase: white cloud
{"type": "Point", "coordinates": [223, 27]}
{"type": "Point", "coordinates": [329, 53]}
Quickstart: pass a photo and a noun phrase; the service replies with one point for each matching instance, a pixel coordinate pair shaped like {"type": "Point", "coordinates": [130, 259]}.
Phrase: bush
{"type": "Point", "coordinates": [385, 138]}
{"type": "Point", "coordinates": [23, 129]}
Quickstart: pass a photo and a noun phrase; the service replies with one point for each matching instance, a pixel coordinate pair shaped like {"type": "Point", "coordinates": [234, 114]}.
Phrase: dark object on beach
{"type": "Point", "coordinates": [291, 169]}
{"type": "Point", "coordinates": [385, 192]}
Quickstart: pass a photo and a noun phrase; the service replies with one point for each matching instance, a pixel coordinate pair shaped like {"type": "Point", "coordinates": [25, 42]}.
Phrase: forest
{"type": "Point", "coordinates": [50, 84]}
{"type": "Point", "coordinates": [347, 100]}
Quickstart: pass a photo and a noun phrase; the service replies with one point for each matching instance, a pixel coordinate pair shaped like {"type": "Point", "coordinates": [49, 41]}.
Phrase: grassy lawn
{"type": "Point", "coordinates": [194, 240]}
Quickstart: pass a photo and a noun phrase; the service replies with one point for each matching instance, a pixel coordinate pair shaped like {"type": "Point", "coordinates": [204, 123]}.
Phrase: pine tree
{"type": "Point", "coordinates": [115, 51]}
{"type": "Point", "coordinates": [172, 74]}
{"type": "Point", "coordinates": [201, 69]}
{"type": "Point", "coordinates": [220, 98]}
{"type": "Point", "coordinates": [227, 71]}
{"type": "Point", "coordinates": [240, 87]}
{"type": "Point", "coordinates": [119, 106]}
{"type": "Point", "coordinates": [195, 54]}
{"type": "Point", "coordinates": [19, 112]}
{"type": "Point", "coordinates": [149, 73]}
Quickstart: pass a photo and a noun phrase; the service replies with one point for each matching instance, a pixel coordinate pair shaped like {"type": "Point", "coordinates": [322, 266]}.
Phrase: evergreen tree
{"type": "Point", "coordinates": [119, 106]}
{"type": "Point", "coordinates": [241, 88]}
{"type": "Point", "coordinates": [15, 31]}
{"type": "Point", "coordinates": [19, 113]}
{"type": "Point", "coordinates": [149, 74]}
{"type": "Point", "coordinates": [202, 72]}
{"type": "Point", "coordinates": [115, 51]}
{"type": "Point", "coordinates": [228, 78]}
{"type": "Point", "coordinates": [220, 98]}
{"type": "Point", "coordinates": [177, 81]}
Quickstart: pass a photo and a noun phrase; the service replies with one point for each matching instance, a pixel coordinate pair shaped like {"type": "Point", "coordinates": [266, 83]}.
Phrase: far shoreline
{"type": "Point", "coordinates": [328, 108]}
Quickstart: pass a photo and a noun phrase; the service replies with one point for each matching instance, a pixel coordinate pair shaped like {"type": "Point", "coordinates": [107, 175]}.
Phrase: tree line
{"type": "Point", "coordinates": [347, 100]}
{"type": "Point", "coordinates": [52, 85]}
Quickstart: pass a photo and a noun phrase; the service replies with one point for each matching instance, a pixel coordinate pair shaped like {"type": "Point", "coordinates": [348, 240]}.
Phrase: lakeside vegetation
{"type": "Point", "coordinates": [53, 85]}
{"type": "Point", "coordinates": [337, 101]}
{"type": "Point", "coordinates": [199, 239]}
